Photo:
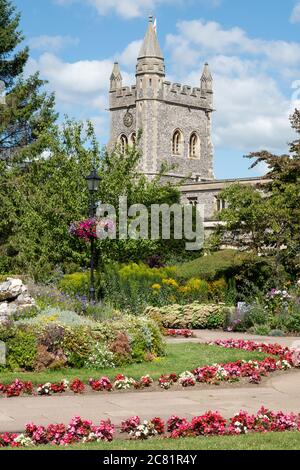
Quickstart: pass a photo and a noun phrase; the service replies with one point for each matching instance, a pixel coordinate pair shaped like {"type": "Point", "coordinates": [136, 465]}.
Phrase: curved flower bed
{"type": "Point", "coordinates": [181, 333]}
{"type": "Point", "coordinates": [213, 375]}
{"type": "Point", "coordinates": [208, 424]}
{"type": "Point", "coordinates": [275, 349]}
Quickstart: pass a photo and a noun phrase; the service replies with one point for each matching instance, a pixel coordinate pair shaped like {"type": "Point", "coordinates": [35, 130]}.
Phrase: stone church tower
{"type": "Point", "coordinates": [175, 119]}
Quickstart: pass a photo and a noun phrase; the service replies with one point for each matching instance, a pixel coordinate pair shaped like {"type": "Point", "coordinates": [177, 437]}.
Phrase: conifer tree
{"type": "Point", "coordinates": [28, 111]}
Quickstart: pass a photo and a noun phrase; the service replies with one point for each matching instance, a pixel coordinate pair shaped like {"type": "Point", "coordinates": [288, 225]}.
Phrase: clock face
{"type": "Point", "coordinates": [128, 119]}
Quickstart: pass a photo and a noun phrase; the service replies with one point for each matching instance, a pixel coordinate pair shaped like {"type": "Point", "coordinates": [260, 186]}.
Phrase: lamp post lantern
{"type": "Point", "coordinates": [93, 183]}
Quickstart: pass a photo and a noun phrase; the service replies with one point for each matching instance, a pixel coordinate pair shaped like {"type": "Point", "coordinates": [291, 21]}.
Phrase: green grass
{"type": "Point", "coordinates": [180, 357]}
{"type": "Point", "coordinates": [270, 441]}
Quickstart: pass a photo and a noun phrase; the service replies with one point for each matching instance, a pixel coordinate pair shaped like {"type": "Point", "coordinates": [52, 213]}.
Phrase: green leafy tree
{"type": "Point", "coordinates": [266, 220]}
{"type": "Point", "coordinates": [52, 192]}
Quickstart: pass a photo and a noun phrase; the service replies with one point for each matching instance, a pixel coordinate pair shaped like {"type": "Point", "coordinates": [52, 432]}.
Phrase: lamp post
{"type": "Point", "coordinates": [93, 182]}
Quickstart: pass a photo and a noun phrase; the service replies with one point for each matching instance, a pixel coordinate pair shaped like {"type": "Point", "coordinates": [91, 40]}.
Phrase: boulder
{"type": "Point", "coordinates": [14, 297]}
{"type": "Point", "coordinates": [11, 289]}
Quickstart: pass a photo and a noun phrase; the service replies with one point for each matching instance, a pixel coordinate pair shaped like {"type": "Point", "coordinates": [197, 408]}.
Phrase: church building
{"type": "Point", "coordinates": [176, 125]}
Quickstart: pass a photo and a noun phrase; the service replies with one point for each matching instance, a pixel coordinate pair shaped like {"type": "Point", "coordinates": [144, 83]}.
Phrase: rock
{"type": "Point", "coordinates": [3, 309]}
{"type": "Point", "coordinates": [14, 298]}
{"type": "Point", "coordinates": [11, 289]}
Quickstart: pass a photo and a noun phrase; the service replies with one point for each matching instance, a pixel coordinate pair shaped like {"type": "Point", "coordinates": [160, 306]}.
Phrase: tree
{"type": "Point", "coordinates": [266, 220]}
{"type": "Point", "coordinates": [42, 201]}
{"type": "Point", "coordinates": [28, 112]}
{"type": "Point", "coordinates": [26, 116]}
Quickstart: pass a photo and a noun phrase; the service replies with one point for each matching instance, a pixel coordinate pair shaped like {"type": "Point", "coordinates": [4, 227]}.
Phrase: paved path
{"type": "Point", "coordinates": [278, 392]}
{"type": "Point", "coordinates": [204, 336]}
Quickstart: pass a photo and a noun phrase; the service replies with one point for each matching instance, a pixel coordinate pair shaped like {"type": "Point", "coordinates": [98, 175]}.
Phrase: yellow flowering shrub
{"type": "Point", "coordinates": [170, 282]}
{"type": "Point", "coordinates": [217, 289]}
{"type": "Point", "coordinates": [156, 286]}
{"type": "Point", "coordinates": [197, 285]}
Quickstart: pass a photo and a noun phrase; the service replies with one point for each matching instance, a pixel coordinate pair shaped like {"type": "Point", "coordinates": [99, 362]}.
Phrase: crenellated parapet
{"type": "Point", "coordinates": [186, 95]}
{"type": "Point", "coordinates": [123, 97]}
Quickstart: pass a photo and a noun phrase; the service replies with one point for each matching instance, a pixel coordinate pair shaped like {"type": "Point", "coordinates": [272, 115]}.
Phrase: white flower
{"type": "Point", "coordinates": [23, 440]}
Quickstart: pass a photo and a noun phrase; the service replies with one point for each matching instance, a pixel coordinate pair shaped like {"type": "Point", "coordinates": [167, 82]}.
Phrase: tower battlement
{"type": "Point", "coordinates": [123, 97]}
{"type": "Point", "coordinates": [186, 95]}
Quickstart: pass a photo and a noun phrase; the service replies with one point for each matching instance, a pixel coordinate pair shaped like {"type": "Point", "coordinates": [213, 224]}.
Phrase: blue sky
{"type": "Point", "coordinates": [253, 48]}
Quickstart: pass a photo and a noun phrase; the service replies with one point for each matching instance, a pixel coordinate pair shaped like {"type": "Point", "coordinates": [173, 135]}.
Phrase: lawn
{"type": "Point", "coordinates": [180, 357]}
{"type": "Point", "coordinates": [270, 441]}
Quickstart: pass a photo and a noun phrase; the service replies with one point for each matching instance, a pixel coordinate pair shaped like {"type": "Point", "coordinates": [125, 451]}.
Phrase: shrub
{"type": "Point", "coordinates": [40, 345]}
{"type": "Point", "coordinates": [55, 315]}
{"type": "Point", "coordinates": [256, 314]}
{"type": "Point", "coordinates": [76, 283]}
{"type": "Point", "coordinates": [263, 330]}
{"type": "Point", "coordinates": [120, 348]}
{"type": "Point", "coordinates": [100, 357]}
{"type": "Point", "coordinates": [194, 316]}
{"type": "Point", "coordinates": [211, 267]}
{"type": "Point", "coordinates": [77, 345]}
{"type": "Point", "coordinates": [292, 323]}
{"type": "Point", "coordinates": [217, 290]}
{"type": "Point", "coordinates": [22, 350]}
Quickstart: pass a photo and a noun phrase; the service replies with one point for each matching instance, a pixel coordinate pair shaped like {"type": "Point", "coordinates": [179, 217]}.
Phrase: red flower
{"type": "Point", "coordinates": [77, 386]}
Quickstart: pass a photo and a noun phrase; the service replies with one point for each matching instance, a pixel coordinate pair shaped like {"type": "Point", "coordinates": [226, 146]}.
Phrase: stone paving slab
{"type": "Point", "coordinates": [278, 393]}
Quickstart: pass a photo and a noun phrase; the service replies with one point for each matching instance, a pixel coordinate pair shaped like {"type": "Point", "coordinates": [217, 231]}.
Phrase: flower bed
{"type": "Point", "coordinates": [213, 374]}
{"type": "Point", "coordinates": [180, 333]}
{"type": "Point", "coordinates": [208, 424]}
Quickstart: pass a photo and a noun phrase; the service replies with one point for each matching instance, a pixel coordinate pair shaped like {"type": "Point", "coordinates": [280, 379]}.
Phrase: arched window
{"type": "Point", "coordinates": [123, 142]}
{"type": "Point", "coordinates": [177, 143]}
{"type": "Point", "coordinates": [132, 139]}
{"type": "Point", "coordinates": [194, 146]}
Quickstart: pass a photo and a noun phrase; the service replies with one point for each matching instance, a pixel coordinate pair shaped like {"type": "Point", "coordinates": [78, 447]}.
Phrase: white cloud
{"type": "Point", "coordinates": [199, 37]}
{"type": "Point", "coordinates": [125, 8]}
{"type": "Point", "coordinates": [129, 56]}
{"type": "Point", "coordinates": [295, 16]}
{"type": "Point", "coordinates": [132, 8]}
{"type": "Point", "coordinates": [252, 111]}
{"type": "Point", "coordinates": [52, 43]}
{"type": "Point", "coordinates": [81, 87]}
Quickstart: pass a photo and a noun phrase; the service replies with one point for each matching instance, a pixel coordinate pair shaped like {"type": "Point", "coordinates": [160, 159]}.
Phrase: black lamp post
{"type": "Point", "coordinates": [93, 182]}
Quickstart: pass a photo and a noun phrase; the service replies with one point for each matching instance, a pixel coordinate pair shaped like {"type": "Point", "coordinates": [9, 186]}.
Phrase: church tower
{"type": "Point", "coordinates": [175, 119]}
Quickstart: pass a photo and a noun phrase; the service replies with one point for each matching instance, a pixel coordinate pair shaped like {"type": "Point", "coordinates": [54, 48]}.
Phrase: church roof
{"type": "Point", "coordinates": [150, 47]}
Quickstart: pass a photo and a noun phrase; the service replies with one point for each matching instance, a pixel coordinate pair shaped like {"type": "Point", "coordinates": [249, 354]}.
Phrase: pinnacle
{"type": "Point", "coordinates": [150, 47]}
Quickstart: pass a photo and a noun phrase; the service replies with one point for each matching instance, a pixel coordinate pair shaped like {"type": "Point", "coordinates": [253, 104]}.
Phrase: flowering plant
{"type": "Point", "coordinates": [144, 431]}
{"type": "Point", "coordinates": [92, 228]}
{"type": "Point", "coordinates": [16, 388]}
{"type": "Point", "coordinates": [77, 386]}
{"type": "Point", "coordinates": [49, 388]}
{"type": "Point", "coordinates": [102, 384]}
{"type": "Point", "coordinates": [165, 381]}
{"type": "Point", "coordinates": [130, 424]}
{"type": "Point", "coordinates": [44, 389]}
{"type": "Point", "coordinates": [85, 230]}
{"type": "Point", "coordinates": [296, 358]}
{"type": "Point", "coordinates": [185, 333]}
{"type": "Point", "coordinates": [121, 382]}
{"type": "Point", "coordinates": [187, 379]}
{"type": "Point", "coordinates": [146, 381]}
